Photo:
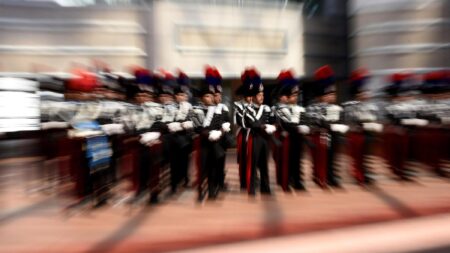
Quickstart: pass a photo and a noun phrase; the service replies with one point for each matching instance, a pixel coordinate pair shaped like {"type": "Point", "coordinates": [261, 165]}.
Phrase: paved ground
{"type": "Point", "coordinates": [430, 234]}
{"type": "Point", "coordinates": [35, 221]}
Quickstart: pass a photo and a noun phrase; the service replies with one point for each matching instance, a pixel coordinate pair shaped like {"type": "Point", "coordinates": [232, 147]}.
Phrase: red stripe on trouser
{"type": "Point", "coordinates": [285, 164]}
{"type": "Point", "coordinates": [239, 146]}
{"type": "Point", "coordinates": [356, 140]}
{"type": "Point", "coordinates": [249, 161]}
{"type": "Point", "coordinates": [320, 158]}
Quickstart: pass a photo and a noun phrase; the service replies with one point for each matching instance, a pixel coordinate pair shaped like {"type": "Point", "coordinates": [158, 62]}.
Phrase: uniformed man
{"type": "Point", "coordinates": [170, 138]}
{"type": "Point", "coordinates": [183, 137]}
{"type": "Point", "coordinates": [362, 116]}
{"type": "Point", "coordinates": [431, 144]}
{"type": "Point", "coordinates": [327, 129]}
{"type": "Point", "coordinates": [148, 126]}
{"type": "Point", "coordinates": [292, 128]}
{"type": "Point", "coordinates": [208, 122]}
{"type": "Point", "coordinates": [260, 119]}
{"type": "Point", "coordinates": [92, 151]}
{"type": "Point", "coordinates": [400, 122]}
{"type": "Point", "coordinates": [225, 140]}
{"type": "Point", "coordinates": [239, 107]}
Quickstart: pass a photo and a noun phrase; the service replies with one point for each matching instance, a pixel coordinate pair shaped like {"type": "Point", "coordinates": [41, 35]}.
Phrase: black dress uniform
{"type": "Point", "coordinates": [400, 115]}
{"type": "Point", "coordinates": [148, 127]}
{"type": "Point", "coordinates": [183, 137]}
{"type": "Point", "coordinates": [362, 116]}
{"type": "Point", "coordinates": [327, 130]}
{"type": "Point", "coordinates": [170, 140]}
{"type": "Point", "coordinates": [260, 120]}
{"type": "Point", "coordinates": [241, 140]}
{"type": "Point", "coordinates": [245, 92]}
{"type": "Point", "coordinates": [208, 122]}
{"type": "Point", "coordinates": [225, 140]}
{"type": "Point", "coordinates": [292, 127]}
{"type": "Point", "coordinates": [431, 143]}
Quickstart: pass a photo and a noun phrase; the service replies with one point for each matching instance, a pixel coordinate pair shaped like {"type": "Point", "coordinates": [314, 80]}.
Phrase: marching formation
{"type": "Point", "coordinates": [147, 128]}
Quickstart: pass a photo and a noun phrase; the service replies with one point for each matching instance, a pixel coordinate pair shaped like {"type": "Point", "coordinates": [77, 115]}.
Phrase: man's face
{"type": "Point", "coordinates": [142, 98]}
{"type": "Point", "coordinates": [165, 98]}
{"type": "Point", "coordinates": [293, 99]}
{"type": "Point", "coordinates": [181, 97]}
{"type": "Point", "coordinates": [217, 98]}
{"type": "Point", "coordinates": [283, 99]}
{"type": "Point", "coordinates": [208, 99]}
{"type": "Point", "coordinates": [329, 98]}
{"type": "Point", "coordinates": [259, 98]}
{"type": "Point", "coordinates": [362, 96]}
{"type": "Point", "coordinates": [248, 99]}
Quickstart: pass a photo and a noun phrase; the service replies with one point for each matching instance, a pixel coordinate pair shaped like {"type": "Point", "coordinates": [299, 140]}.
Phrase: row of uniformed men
{"type": "Point", "coordinates": [169, 128]}
{"type": "Point", "coordinates": [412, 123]}
{"type": "Point", "coordinates": [158, 129]}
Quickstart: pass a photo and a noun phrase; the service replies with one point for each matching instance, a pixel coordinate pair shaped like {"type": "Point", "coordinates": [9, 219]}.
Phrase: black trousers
{"type": "Point", "coordinates": [295, 151]}
{"type": "Point", "coordinates": [211, 153]}
{"type": "Point", "coordinates": [225, 142]}
{"type": "Point", "coordinates": [179, 147]}
{"type": "Point", "coordinates": [242, 158]}
{"type": "Point", "coordinates": [144, 167]}
{"type": "Point", "coordinates": [332, 171]}
{"type": "Point", "coordinates": [260, 153]}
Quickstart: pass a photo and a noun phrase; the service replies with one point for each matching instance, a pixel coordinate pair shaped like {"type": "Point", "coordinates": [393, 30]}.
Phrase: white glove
{"type": "Point", "coordinates": [174, 127]}
{"type": "Point", "coordinates": [54, 125]}
{"type": "Point", "coordinates": [226, 127]}
{"type": "Point", "coordinates": [303, 129]}
{"type": "Point", "coordinates": [111, 129]}
{"type": "Point", "coordinates": [149, 138]}
{"type": "Point", "coordinates": [187, 125]}
{"type": "Point", "coordinates": [445, 120]}
{"type": "Point", "coordinates": [83, 133]}
{"type": "Point", "coordinates": [340, 128]}
{"type": "Point", "coordinates": [333, 113]}
{"type": "Point", "coordinates": [414, 122]}
{"type": "Point", "coordinates": [270, 128]}
{"type": "Point", "coordinates": [373, 127]}
{"type": "Point", "coordinates": [214, 135]}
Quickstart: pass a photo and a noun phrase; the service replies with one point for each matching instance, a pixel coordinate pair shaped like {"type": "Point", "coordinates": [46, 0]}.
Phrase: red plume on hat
{"type": "Point", "coordinates": [212, 75]}
{"type": "Point", "coordinates": [435, 76]}
{"type": "Point", "coordinates": [249, 73]}
{"type": "Point", "coordinates": [288, 84]}
{"type": "Point", "coordinates": [251, 76]}
{"type": "Point", "coordinates": [137, 70]}
{"type": "Point", "coordinates": [358, 79]}
{"type": "Point", "coordinates": [285, 75]}
{"type": "Point", "coordinates": [325, 78]}
{"type": "Point", "coordinates": [85, 82]}
{"type": "Point", "coordinates": [359, 74]}
{"type": "Point", "coordinates": [166, 75]}
{"type": "Point", "coordinates": [251, 82]}
{"type": "Point", "coordinates": [401, 76]}
{"type": "Point", "coordinates": [143, 76]}
{"type": "Point", "coordinates": [324, 72]}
